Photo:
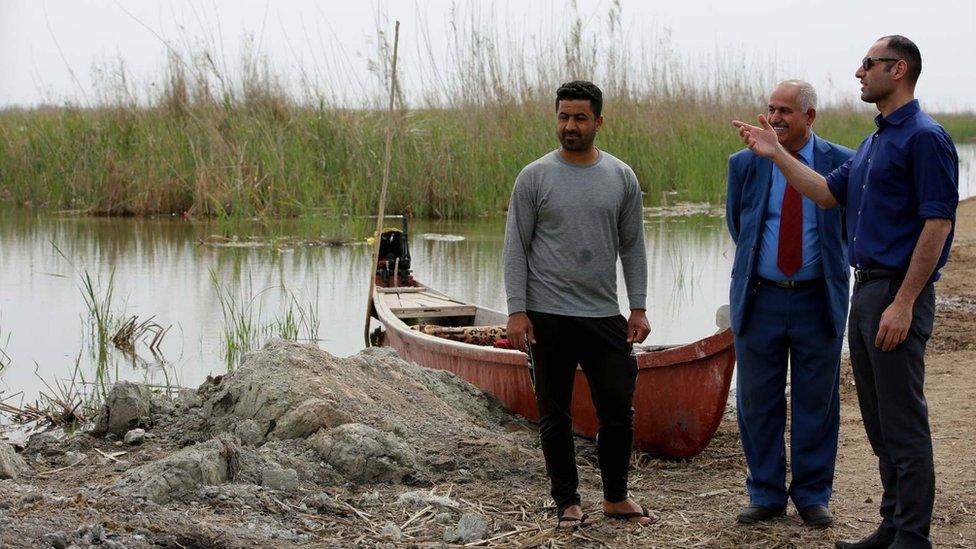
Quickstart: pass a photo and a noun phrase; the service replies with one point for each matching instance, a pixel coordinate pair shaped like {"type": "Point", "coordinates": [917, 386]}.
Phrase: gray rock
{"type": "Point", "coordinates": [392, 531]}
{"type": "Point", "coordinates": [94, 534]}
{"type": "Point", "coordinates": [188, 398]}
{"type": "Point", "coordinates": [135, 436]}
{"type": "Point", "coordinates": [308, 417]}
{"type": "Point", "coordinates": [58, 540]}
{"type": "Point", "coordinates": [11, 465]}
{"type": "Point", "coordinates": [364, 454]}
{"type": "Point", "coordinates": [371, 498]}
{"type": "Point", "coordinates": [127, 406]}
{"type": "Point", "coordinates": [422, 498]}
{"type": "Point", "coordinates": [31, 497]}
{"type": "Point", "coordinates": [322, 500]}
{"type": "Point", "coordinates": [443, 518]}
{"type": "Point", "coordinates": [71, 458]}
{"type": "Point", "coordinates": [471, 527]}
{"type": "Point", "coordinates": [209, 463]}
{"type": "Point", "coordinates": [249, 432]}
{"type": "Point", "coordinates": [162, 404]}
{"type": "Point", "coordinates": [285, 480]}
{"type": "Point", "coordinates": [45, 444]}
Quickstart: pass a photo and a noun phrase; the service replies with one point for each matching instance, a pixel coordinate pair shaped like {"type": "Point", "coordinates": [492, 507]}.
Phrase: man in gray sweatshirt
{"type": "Point", "coordinates": [571, 214]}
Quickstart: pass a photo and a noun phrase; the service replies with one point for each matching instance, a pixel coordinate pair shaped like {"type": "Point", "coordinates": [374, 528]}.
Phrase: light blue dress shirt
{"type": "Point", "coordinates": [812, 268]}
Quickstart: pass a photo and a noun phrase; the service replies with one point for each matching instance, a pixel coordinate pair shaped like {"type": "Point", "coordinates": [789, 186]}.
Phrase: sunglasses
{"type": "Point", "coordinates": [869, 62]}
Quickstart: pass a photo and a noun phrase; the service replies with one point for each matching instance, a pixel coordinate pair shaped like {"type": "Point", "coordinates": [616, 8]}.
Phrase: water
{"type": "Point", "coordinates": [162, 270]}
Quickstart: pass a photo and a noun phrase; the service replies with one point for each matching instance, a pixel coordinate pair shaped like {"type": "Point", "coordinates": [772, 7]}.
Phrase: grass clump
{"type": "Point", "coordinates": [245, 327]}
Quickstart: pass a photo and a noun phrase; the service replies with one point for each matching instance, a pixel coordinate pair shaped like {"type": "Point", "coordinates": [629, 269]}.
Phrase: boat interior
{"type": "Point", "coordinates": [433, 313]}
{"type": "Point", "coordinates": [436, 314]}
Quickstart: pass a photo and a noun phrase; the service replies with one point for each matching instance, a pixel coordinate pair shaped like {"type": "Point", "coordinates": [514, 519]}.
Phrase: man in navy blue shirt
{"type": "Point", "coordinates": [900, 191]}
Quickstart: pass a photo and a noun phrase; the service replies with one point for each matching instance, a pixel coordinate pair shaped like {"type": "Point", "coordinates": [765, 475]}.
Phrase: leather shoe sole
{"type": "Point", "coordinates": [758, 513]}
{"type": "Point", "coordinates": [817, 516]}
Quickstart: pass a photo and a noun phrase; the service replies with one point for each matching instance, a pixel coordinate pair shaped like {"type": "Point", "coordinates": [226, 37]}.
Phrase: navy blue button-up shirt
{"type": "Point", "coordinates": [904, 173]}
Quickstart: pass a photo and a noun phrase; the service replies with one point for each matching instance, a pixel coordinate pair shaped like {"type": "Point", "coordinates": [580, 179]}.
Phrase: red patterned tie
{"type": "Point", "coordinates": [789, 255]}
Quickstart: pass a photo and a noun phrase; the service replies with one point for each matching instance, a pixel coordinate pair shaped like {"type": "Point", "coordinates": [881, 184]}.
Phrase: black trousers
{"type": "Point", "coordinates": [893, 407]}
{"type": "Point", "coordinates": [599, 346]}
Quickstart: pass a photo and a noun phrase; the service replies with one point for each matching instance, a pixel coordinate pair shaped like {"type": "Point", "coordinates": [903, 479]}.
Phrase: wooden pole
{"type": "Point", "coordinates": [386, 180]}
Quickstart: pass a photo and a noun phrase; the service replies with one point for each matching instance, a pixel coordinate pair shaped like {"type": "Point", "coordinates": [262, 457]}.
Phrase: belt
{"type": "Point", "coordinates": [790, 283]}
{"type": "Point", "coordinates": [864, 275]}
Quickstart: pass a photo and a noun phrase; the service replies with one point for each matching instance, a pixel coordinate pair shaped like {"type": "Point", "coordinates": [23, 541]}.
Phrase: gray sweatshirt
{"type": "Point", "coordinates": [566, 225]}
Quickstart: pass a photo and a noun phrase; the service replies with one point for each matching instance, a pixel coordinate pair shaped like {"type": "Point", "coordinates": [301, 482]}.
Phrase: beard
{"type": "Point", "coordinates": [876, 93]}
{"type": "Point", "coordinates": [576, 141]}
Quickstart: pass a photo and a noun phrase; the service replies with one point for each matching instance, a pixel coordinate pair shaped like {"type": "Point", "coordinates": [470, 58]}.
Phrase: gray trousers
{"type": "Point", "coordinates": [890, 394]}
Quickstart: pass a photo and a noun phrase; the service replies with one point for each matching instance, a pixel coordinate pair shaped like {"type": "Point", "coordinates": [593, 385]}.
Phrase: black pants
{"type": "Point", "coordinates": [893, 407]}
{"type": "Point", "coordinates": [599, 346]}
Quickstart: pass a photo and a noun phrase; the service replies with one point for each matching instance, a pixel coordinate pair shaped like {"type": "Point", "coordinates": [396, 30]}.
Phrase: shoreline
{"type": "Point", "coordinates": [474, 459]}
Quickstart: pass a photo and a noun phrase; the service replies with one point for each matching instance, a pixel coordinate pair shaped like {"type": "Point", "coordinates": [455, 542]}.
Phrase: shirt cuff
{"type": "Point", "coordinates": [638, 301]}
{"type": "Point", "coordinates": [936, 210]}
{"type": "Point", "coordinates": [516, 305]}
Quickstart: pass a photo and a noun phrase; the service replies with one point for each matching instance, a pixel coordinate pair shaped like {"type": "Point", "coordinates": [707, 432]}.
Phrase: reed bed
{"type": "Point", "coordinates": [234, 142]}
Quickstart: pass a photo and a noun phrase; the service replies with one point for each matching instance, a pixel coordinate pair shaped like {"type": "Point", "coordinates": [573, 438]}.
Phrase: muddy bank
{"type": "Point", "coordinates": [299, 448]}
{"type": "Point", "coordinates": [296, 446]}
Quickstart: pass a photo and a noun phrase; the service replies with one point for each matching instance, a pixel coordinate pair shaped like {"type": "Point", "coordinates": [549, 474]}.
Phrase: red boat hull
{"type": "Point", "coordinates": [678, 403]}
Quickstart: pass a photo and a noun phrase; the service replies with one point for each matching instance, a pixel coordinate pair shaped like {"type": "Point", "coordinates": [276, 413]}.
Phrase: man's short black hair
{"type": "Point", "coordinates": [581, 89]}
{"type": "Point", "coordinates": [904, 48]}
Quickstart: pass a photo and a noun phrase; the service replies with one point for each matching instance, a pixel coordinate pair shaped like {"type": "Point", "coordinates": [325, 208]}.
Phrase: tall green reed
{"type": "Point", "coordinates": [238, 144]}
{"type": "Point", "coordinates": [245, 326]}
{"type": "Point", "coordinates": [103, 322]}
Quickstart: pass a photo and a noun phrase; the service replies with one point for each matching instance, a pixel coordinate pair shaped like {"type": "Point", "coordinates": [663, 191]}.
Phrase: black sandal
{"type": "Point", "coordinates": [644, 512]}
{"type": "Point", "coordinates": [580, 521]}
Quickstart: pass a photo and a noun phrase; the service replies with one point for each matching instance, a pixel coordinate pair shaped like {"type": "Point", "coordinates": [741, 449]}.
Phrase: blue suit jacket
{"type": "Point", "coordinates": [749, 181]}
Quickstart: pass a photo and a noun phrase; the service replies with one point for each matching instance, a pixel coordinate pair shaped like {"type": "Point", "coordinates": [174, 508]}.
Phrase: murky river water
{"type": "Point", "coordinates": [162, 269]}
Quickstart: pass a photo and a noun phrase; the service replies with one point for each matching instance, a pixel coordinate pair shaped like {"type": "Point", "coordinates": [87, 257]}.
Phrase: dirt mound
{"type": "Point", "coordinates": [292, 390]}
{"type": "Point", "coordinates": [294, 414]}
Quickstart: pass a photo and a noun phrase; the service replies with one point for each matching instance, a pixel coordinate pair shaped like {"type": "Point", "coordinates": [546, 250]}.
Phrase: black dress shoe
{"type": "Point", "coordinates": [816, 515]}
{"type": "Point", "coordinates": [758, 513]}
{"type": "Point", "coordinates": [880, 539]}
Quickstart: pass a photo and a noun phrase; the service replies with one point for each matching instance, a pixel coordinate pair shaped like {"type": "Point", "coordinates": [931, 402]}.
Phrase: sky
{"type": "Point", "coordinates": [56, 51]}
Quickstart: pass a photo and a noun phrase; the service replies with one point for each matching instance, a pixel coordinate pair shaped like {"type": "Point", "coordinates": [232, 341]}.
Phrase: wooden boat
{"type": "Point", "coordinates": [681, 390]}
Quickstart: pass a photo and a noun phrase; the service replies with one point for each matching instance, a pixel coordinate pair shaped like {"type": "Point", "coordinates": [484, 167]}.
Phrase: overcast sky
{"type": "Point", "coordinates": [48, 48]}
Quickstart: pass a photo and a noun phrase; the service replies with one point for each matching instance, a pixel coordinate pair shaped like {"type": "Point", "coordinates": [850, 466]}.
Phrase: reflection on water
{"type": "Point", "coordinates": [162, 270]}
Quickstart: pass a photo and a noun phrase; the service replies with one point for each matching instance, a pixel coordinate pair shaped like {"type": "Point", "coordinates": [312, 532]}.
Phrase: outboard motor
{"type": "Point", "coordinates": [393, 264]}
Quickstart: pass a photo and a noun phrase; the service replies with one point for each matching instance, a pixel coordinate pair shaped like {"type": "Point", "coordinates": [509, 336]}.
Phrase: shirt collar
{"type": "Point", "coordinates": [903, 113]}
{"type": "Point", "coordinates": [806, 151]}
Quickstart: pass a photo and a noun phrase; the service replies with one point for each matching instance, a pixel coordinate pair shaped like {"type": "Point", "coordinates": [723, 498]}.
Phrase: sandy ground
{"type": "Point", "coordinates": [495, 471]}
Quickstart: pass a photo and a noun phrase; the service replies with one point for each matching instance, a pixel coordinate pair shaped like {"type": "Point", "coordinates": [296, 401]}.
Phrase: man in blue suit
{"type": "Point", "coordinates": [789, 297]}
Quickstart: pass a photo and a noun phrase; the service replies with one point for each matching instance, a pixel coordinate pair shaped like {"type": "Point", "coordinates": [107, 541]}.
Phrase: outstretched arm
{"type": "Point", "coordinates": [762, 141]}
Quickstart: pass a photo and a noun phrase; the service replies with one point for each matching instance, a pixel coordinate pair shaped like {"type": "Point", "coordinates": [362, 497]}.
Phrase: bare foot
{"type": "Point", "coordinates": [630, 511]}
{"type": "Point", "coordinates": [571, 517]}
